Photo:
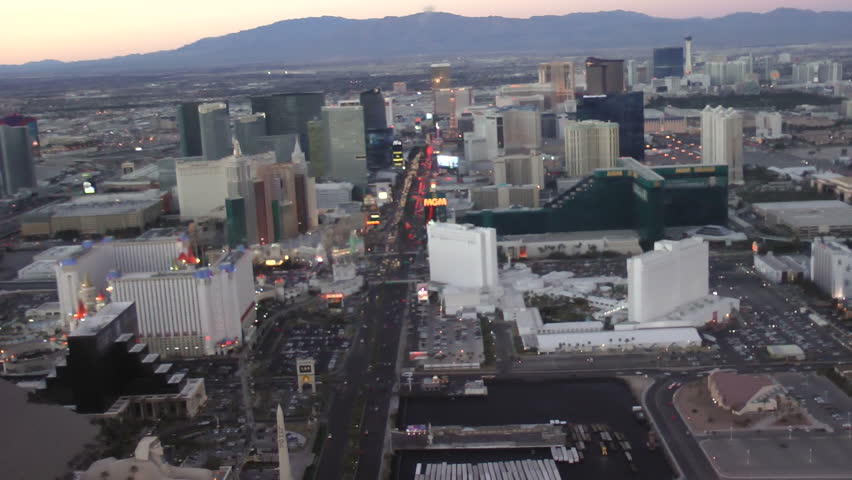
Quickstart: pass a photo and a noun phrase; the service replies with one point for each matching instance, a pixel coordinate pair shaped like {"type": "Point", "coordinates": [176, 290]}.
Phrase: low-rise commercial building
{"type": "Point", "coordinates": [516, 247]}
{"type": "Point", "coordinates": [741, 393]}
{"type": "Point", "coordinates": [808, 219]}
{"type": "Point", "coordinates": [783, 269]}
{"type": "Point", "coordinates": [96, 214]}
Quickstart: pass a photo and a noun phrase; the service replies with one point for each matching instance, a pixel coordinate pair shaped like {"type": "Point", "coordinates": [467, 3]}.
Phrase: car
{"type": "Point", "coordinates": [329, 436]}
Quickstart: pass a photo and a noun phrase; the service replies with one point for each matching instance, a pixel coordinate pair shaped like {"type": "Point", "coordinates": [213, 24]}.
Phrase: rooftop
{"type": "Point", "coordinates": [571, 236]}
{"type": "Point", "coordinates": [808, 213]}
{"type": "Point", "coordinates": [102, 204]}
{"type": "Point", "coordinates": [107, 314]}
{"type": "Point", "coordinates": [738, 389]}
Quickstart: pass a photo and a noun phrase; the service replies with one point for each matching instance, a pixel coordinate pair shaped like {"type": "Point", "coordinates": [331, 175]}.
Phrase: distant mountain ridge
{"type": "Point", "coordinates": [336, 38]}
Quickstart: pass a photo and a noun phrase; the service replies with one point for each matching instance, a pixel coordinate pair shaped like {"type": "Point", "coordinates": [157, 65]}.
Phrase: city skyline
{"type": "Point", "coordinates": [103, 30]}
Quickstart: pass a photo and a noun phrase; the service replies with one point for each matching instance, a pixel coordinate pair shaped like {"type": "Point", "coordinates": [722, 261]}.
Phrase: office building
{"type": "Point", "coordinates": [687, 56]}
{"type": "Point", "coordinates": [316, 149]}
{"type": "Point", "coordinates": [400, 88]}
{"type": "Point", "coordinates": [189, 129]}
{"type": "Point", "coordinates": [590, 145]}
{"type": "Point", "coordinates": [561, 76]}
{"type": "Point", "coordinates": [462, 255]}
{"type": "Point", "coordinates": [521, 169]}
{"type": "Point", "coordinates": [630, 196]}
{"type": "Point", "coordinates": [487, 141]}
{"type": "Point", "coordinates": [330, 195]}
{"type": "Point", "coordinates": [521, 128]}
{"type": "Point", "coordinates": [627, 110]}
{"type": "Point", "coordinates": [440, 73]}
{"type": "Point", "coordinates": [817, 72]}
{"type": "Point", "coordinates": [16, 160]}
{"type": "Point", "coordinates": [102, 214]}
{"type": "Point", "coordinates": [248, 130]}
{"type": "Point", "coordinates": [30, 123]}
{"type": "Point", "coordinates": [673, 274]}
{"type": "Point", "coordinates": [768, 125]}
{"type": "Point", "coordinates": [604, 76]}
{"type": "Point", "coordinates": [831, 267]}
{"type": "Point", "coordinates": [668, 62]}
{"type": "Point", "coordinates": [722, 140]}
{"type": "Point", "coordinates": [289, 113]}
{"type": "Point", "coordinates": [373, 104]}
{"type": "Point", "coordinates": [215, 131]}
{"type": "Point", "coordinates": [109, 373]}
{"type": "Point", "coordinates": [344, 145]}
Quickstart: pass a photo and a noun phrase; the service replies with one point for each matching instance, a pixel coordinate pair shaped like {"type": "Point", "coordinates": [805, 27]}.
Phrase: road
{"type": "Point", "coordinates": [370, 374]}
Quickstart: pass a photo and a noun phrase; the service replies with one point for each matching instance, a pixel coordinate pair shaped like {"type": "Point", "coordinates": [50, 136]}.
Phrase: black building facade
{"type": "Point", "coordinates": [668, 62]}
{"type": "Point", "coordinates": [627, 110]}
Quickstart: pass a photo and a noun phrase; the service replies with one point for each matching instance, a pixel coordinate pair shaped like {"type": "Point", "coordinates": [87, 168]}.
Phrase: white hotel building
{"type": "Point", "coordinates": [463, 255]}
{"type": "Point", "coordinates": [183, 309]}
{"type": "Point", "coordinates": [674, 274]}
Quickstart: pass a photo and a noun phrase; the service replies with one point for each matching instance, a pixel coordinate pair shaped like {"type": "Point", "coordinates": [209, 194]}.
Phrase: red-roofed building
{"type": "Point", "coordinates": [744, 393]}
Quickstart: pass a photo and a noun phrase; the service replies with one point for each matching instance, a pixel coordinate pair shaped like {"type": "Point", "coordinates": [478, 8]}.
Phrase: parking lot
{"type": "Point", "coordinates": [325, 345]}
{"type": "Point", "coordinates": [770, 315]}
{"type": "Point", "coordinates": [447, 340]}
{"type": "Point", "coordinates": [820, 397]}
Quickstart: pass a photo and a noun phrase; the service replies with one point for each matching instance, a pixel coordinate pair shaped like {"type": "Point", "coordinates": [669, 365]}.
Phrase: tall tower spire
{"type": "Point", "coordinates": [284, 472]}
{"type": "Point", "coordinates": [298, 156]}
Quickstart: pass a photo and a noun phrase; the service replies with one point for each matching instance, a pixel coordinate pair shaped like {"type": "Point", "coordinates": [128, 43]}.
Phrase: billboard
{"type": "Point", "coordinates": [448, 161]}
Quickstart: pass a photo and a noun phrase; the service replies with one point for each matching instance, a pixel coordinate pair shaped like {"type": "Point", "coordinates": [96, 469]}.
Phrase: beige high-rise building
{"type": "Point", "coordinates": [522, 169]}
{"type": "Point", "coordinates": [722, 140]}
{"type": "Point", "coordinates": [589, 145]}
{"type": "Point", "coordinates": [561, 76]}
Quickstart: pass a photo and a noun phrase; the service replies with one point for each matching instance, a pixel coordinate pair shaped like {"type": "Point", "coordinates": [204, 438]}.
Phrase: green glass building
{"type": "Point", "coordinates": [236, 232]}
{"type": "Point", "coordinates": [630, 196]}
{"type": "Point", "coordinates": [189, 128]}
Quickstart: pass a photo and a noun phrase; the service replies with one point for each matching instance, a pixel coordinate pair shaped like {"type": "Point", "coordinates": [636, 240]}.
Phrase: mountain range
{"type": "Point", "coordinates": [309, 40]}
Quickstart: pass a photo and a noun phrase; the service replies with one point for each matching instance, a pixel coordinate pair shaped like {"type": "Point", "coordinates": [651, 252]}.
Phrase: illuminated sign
{"type": "Point", "coordinates": [333, 296]}
{"type": "Point", "coordinates": [435, 202]}
{"type": "Point", "coordinates": [615, 173]}
{"type": "Point", "coordinates": [683, 170]}
{"type": "Point", "coordinates": [704, 169]}
{"type": "Point", "coordinates": [306, 369]}
{"type": "Point", "coordinates": [448, 161]}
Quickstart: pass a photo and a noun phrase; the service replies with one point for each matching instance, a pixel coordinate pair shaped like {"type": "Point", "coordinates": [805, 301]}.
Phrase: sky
{"type": "Point", "coordinates": [89, 29]}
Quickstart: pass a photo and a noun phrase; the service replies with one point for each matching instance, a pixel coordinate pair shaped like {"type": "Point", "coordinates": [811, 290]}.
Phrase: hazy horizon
{"type": "Point", "coordinates": [104, 29]}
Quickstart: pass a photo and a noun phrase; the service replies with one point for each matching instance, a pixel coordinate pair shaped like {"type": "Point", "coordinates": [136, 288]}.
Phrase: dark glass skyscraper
{"type": "Point", "coordinates": [373, 103]}
{"type": "Point", "coordinates": [668, 62]}
{"type": "Point", "coordinates": [379, 138]}
{"type": "Point", "coordinates": [248, 130]}
{"type": "Point", "coordinates": [289, 112]}
{"type": "Point", "coordinates": [16, 159]}
{"type": "Point", "coordinates": [625, 109]}
{"type": "Point", "coordinates": [190, 129]}
{"type": "Point", "coordinates": [604, 76]}
{"type": "Point", "coordinates": [286, 112]}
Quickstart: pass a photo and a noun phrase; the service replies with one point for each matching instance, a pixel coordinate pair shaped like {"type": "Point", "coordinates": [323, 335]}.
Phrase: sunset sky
{"type": "Point", "coordinates": [87, 29]}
